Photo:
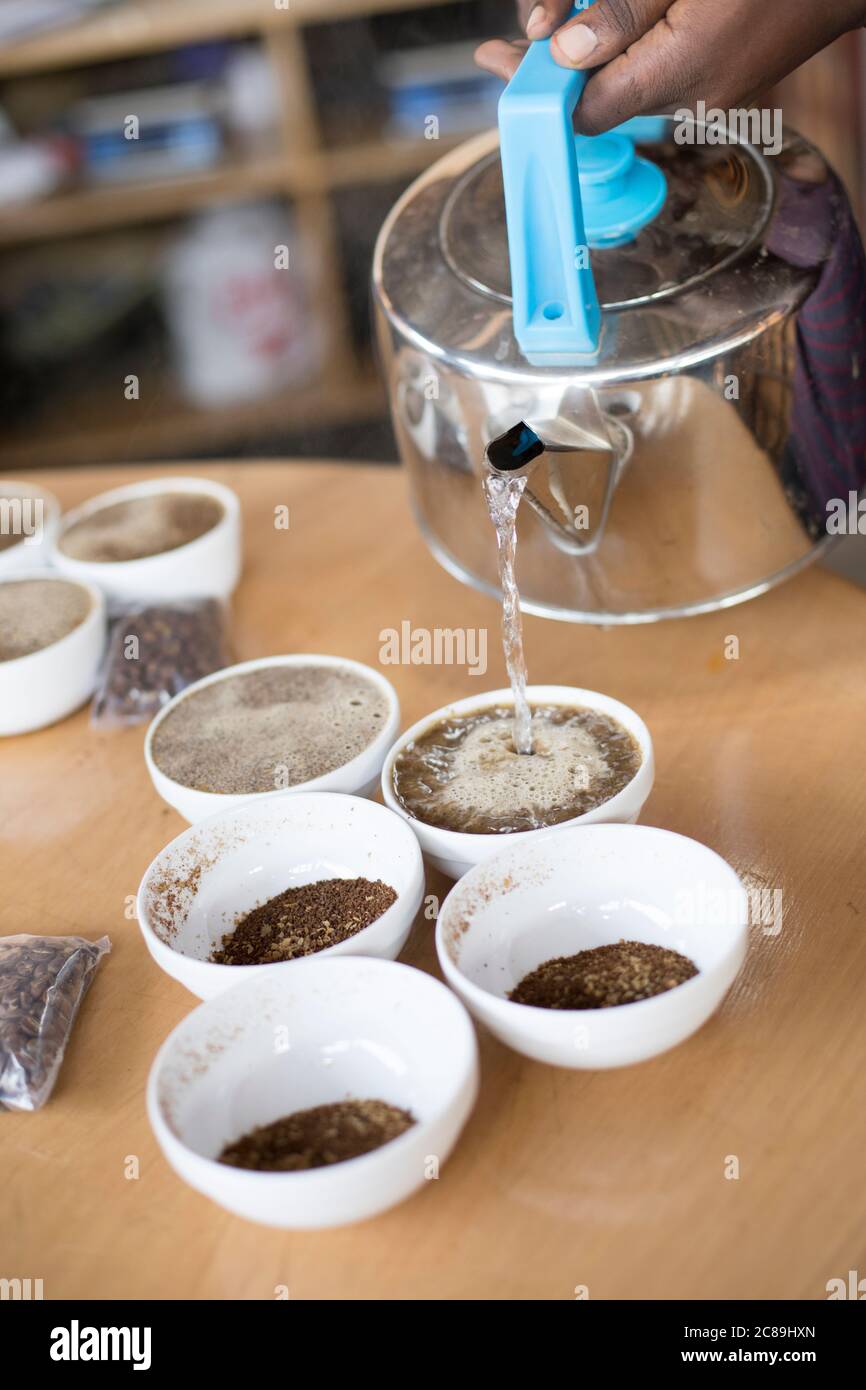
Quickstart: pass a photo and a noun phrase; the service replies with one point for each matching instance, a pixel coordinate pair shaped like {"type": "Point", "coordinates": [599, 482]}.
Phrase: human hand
{"type": "Point", "coordinates": [654, 55]}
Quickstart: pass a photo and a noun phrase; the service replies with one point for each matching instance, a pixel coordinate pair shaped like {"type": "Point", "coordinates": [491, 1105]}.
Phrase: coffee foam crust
{"type": "Point", "coordinates": [488, 776]}
{"type": "Point", "coordinates": [275, 726]}
{"type": "Point", "coordinates": [464, 773]}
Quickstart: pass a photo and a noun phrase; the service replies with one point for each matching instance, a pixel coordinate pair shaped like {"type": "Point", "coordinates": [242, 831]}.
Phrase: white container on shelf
{"type": "Point", "coordinates": [237, 309]}
{"type": "Point", "coordinates": [208, 567]}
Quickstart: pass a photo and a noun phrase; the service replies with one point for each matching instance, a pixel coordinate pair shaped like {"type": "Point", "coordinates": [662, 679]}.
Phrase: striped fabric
{"type": "Point", "coordinates": [825, 457]}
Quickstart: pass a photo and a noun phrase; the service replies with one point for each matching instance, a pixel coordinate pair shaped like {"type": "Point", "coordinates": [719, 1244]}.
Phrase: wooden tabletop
{"type": "Point", "coordinates": [615, 1181]}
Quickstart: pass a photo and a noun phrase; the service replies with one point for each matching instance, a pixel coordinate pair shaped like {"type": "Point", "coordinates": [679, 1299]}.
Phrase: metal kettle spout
{"type": "Point", "coordinates": [570, 480]}
{"type": "Point", "coordinates": [515, 454]}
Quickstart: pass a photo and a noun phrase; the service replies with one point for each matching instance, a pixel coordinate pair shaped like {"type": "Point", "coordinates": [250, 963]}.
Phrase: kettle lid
{"type": "Point", "coordinates": [718, 202]}
{"type": "Point", "coordinates": [709, 273]}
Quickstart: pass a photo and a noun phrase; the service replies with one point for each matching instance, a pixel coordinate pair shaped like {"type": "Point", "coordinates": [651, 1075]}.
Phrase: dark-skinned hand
{"type": "Point", "coordinates": [658, 55]}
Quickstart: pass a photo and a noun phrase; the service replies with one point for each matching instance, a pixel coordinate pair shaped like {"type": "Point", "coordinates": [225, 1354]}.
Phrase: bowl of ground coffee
{"type": "Point", "coordinates": [316, 1096]}
{"type": "Point", "coordinates": [459, 780]}
{"type": "Point", "coordinates": [280, 723]}
{"type": "Point", "coordinates": [52, 637]}
{"type": "Point", "coordinates": [595, 946]}
{"type": "Point", "coordinates": [166, 538]}
{"type": "Point", "coordinates": [279, 879]}
{"type": "Point", "coordinates": [29, 519]}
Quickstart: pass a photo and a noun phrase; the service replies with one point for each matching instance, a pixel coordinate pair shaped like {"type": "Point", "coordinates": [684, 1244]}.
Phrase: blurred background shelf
{"type": "Point", "coordinates": [280, 104]}
{"type": "Point", "coordinates": [264, 124]}
{"type": "Point", "coordinates": [82, 210]}
{"type": "Point", "coordinates": [99, 425]}
{"type": "Point", "coordinates": [145, 26]}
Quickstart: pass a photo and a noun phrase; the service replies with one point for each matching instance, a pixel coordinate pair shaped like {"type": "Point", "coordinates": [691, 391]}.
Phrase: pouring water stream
{"type": "Point", "coordinates": [507, 463]}
{"type": "Point", "coordinates": [503, 499]}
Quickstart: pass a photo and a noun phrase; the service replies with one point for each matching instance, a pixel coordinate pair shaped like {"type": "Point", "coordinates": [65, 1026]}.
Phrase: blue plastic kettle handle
{"type": "Point", "coordinates": [556, 310]}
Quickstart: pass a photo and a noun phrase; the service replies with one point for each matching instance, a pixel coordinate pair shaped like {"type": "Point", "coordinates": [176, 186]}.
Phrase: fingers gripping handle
{"type": "Point", "coordinates": [556, 310]}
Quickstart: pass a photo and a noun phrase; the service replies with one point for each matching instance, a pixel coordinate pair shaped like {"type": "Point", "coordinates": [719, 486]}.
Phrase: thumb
{"type": "Point", "coordinates": [604, 30]}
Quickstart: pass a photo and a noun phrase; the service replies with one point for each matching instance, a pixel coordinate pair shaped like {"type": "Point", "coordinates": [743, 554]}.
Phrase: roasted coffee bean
{"type": "Point", "coordinates": [154, 652]}
{"type": "Point", "coordinates": [43, 980]}
{"type": "Point", "coordinates": [301, 921]}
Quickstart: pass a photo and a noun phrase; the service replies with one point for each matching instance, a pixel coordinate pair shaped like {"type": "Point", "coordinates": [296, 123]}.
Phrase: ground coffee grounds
{"type": "Point", "coordinates": [318, 1137]}
{"type": "Point", "coordinates": [36, 613]}
{"type": "Point", "coordinates": [140, 527]}
{"type": "Point", "coordinates": [604, 976]}
{"type": "Point", "coordinates": [269, 729]}
{"type": "Point", "coordinates": [301, 921]}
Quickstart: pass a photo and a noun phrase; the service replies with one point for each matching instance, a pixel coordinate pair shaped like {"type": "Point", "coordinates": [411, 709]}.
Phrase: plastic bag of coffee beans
{"type": "Point", "coordinates": [155, 650]}
{"type": "Point", "coordinates": [43, 980]}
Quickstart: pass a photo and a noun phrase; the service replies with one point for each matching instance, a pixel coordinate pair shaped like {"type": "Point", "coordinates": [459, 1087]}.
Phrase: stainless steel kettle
{"type": "Point", "coordinates": [695, 441]}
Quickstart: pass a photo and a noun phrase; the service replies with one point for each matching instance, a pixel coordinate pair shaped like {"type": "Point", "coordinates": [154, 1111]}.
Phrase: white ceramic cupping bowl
{"type": "Point", "coordinates": [33, 550]}
{"type": "Point", "coordinates": [47, 685]}
{"type": "Point", "coordinates": [455, 853]}
{"type": "Point", "coordinates": [360, 777]}
{"type": "Point", "coordinates": [327, 1030]}
{"type": "Point", "coordinates": [587, 886]}
{"type": "Point", "coordinates": [207, 567]}
{"type": "Point", "coordinates": [194, 891]}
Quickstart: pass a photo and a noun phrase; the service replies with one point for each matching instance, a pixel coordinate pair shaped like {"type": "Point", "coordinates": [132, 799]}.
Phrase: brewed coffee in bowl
{"type": "Point", "coordinates": [465, 774]}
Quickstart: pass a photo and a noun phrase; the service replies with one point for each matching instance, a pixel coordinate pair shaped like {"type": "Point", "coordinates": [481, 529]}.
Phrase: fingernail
{"type": "Point", "coordinates": [576, 42]}
{"type": "Point", "coordinates": [536, 24]}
